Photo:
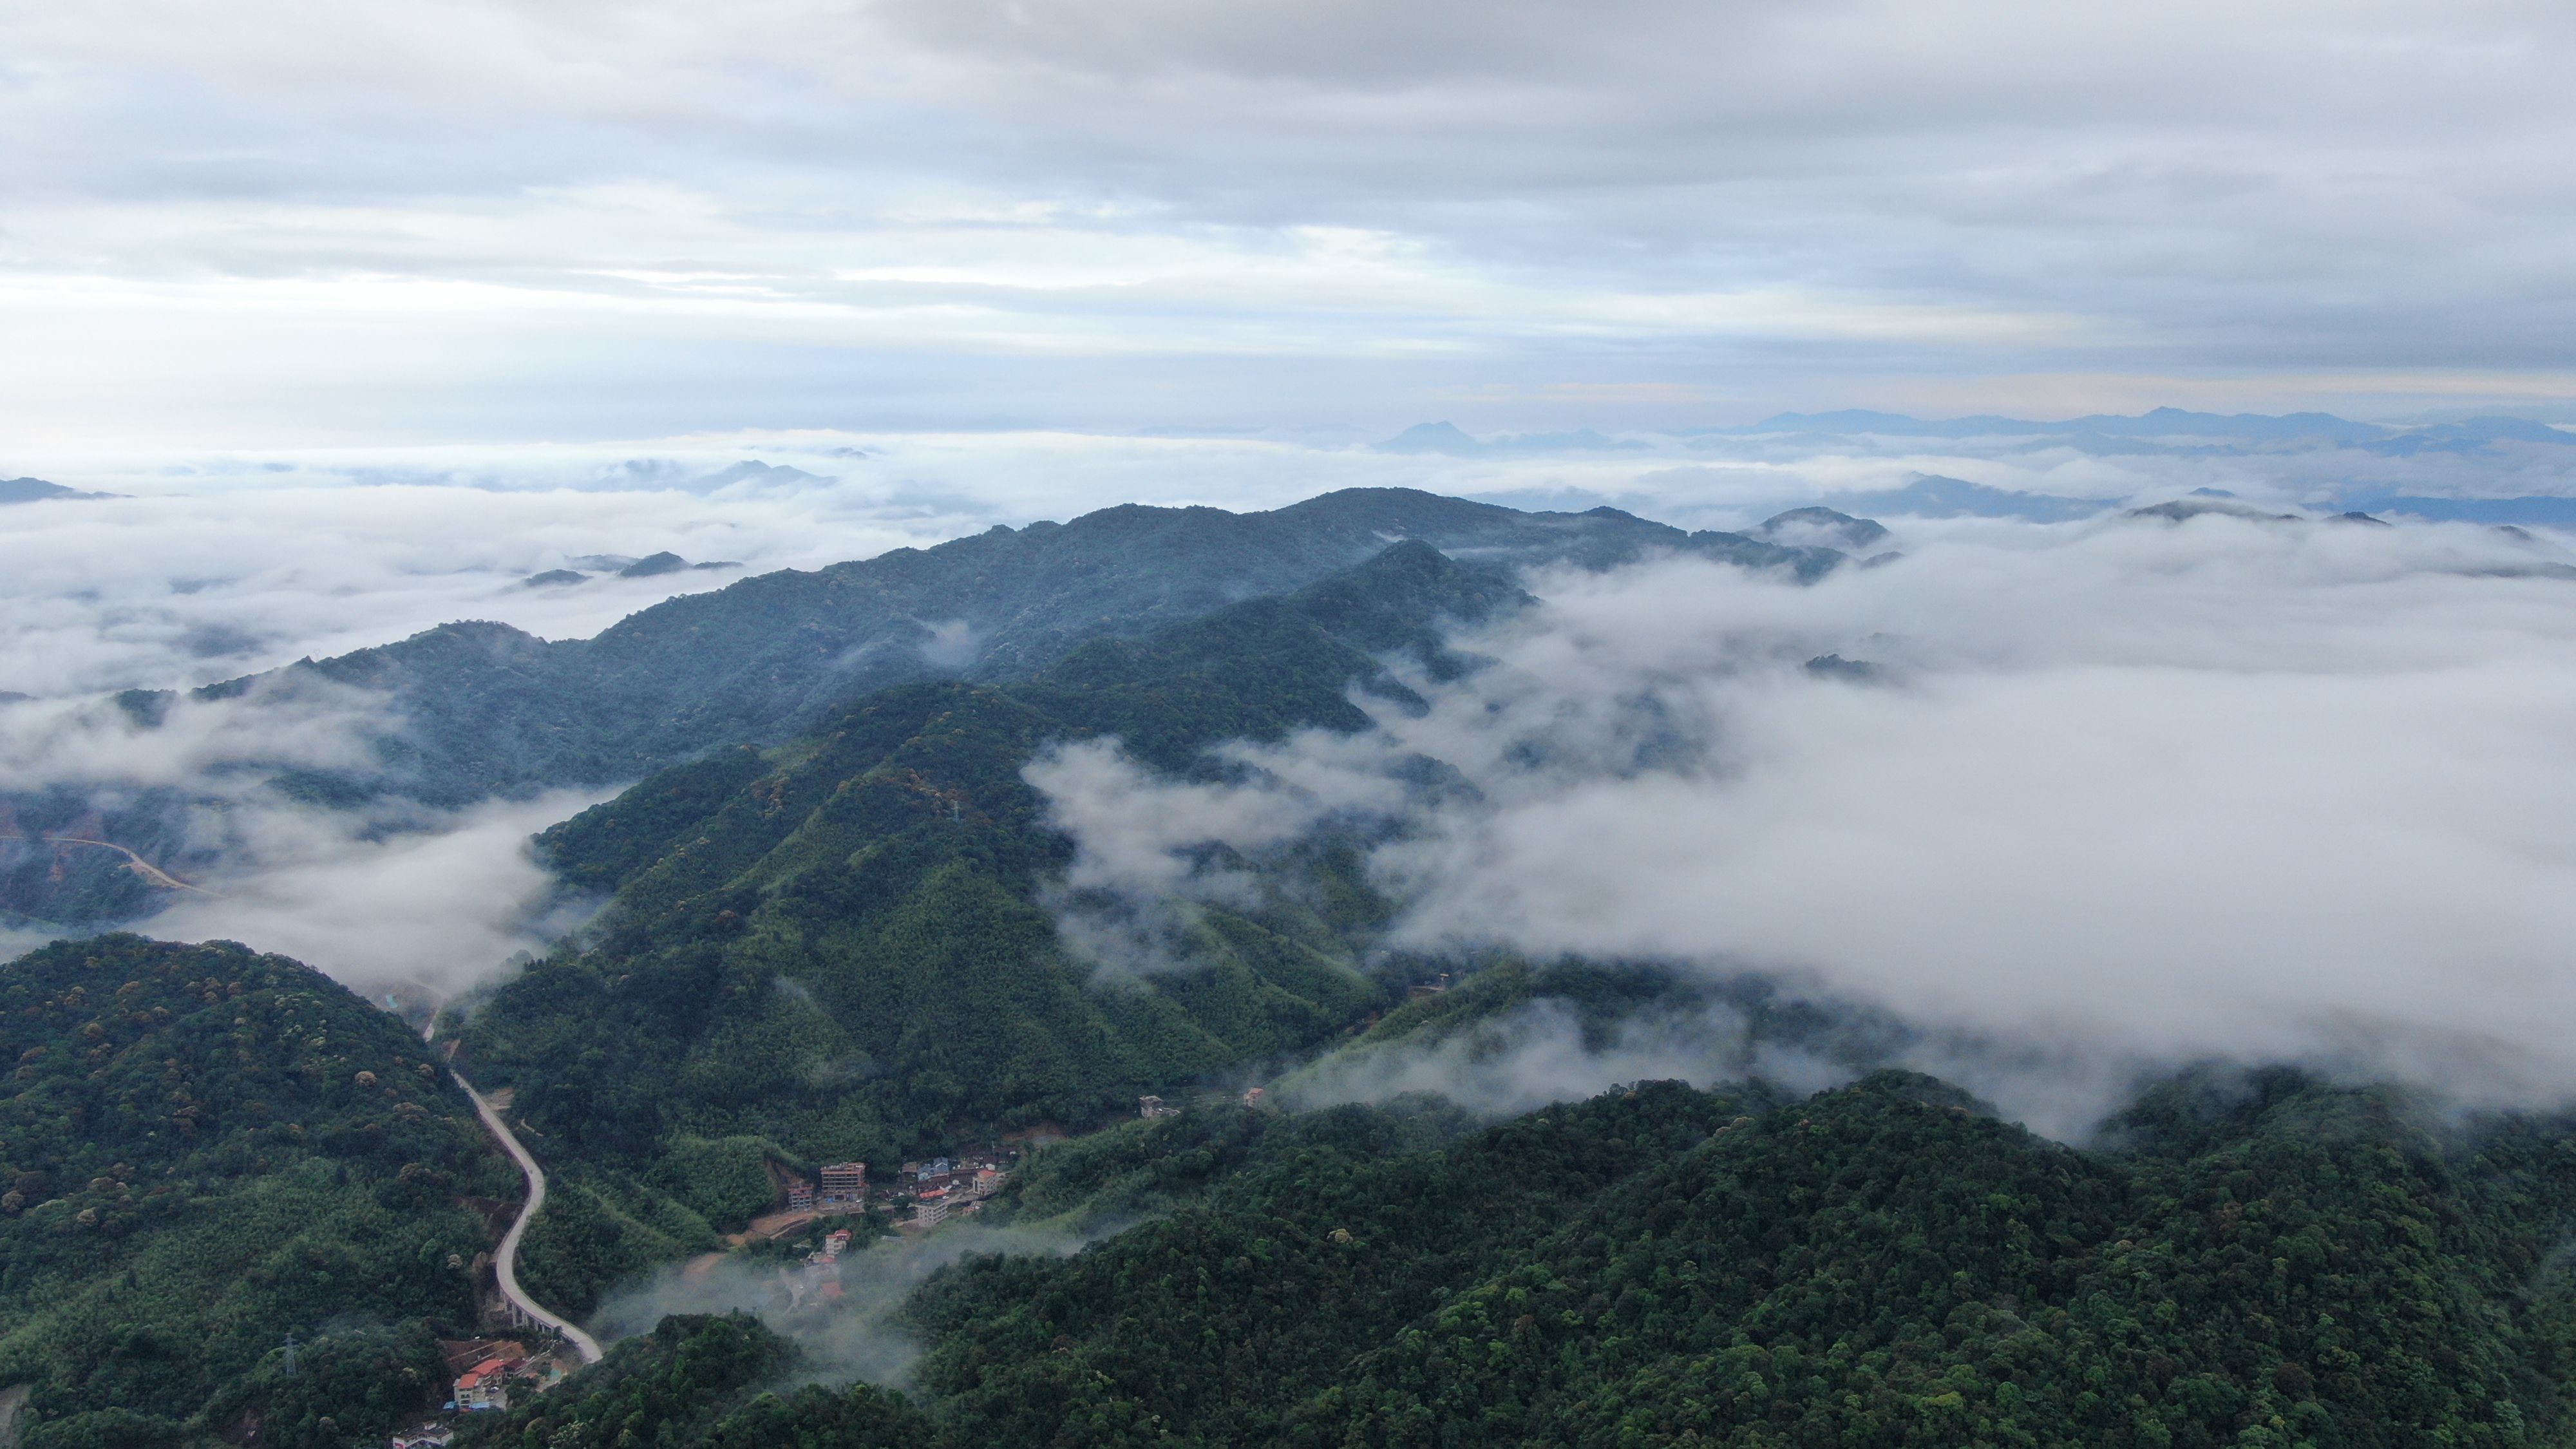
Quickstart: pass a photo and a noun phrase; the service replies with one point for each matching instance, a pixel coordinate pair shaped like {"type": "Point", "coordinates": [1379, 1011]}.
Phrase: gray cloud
{"type": "Point", "coordinates": [1095, 215]}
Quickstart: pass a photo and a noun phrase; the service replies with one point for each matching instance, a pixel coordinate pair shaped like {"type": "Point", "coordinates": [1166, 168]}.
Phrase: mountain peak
{"type": "Point", "coordinates": [37, 490]}
{"type": "Point", "coordinates": [1440, 437]}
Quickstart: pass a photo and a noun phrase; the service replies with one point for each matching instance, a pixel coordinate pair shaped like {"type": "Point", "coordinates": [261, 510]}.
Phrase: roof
{"type": "Point", "coordinates": [464, 1353]}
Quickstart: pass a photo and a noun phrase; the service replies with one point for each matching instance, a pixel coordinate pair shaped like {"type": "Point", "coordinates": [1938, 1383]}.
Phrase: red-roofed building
{"type": "Point", "coordinates": [487, 1384]}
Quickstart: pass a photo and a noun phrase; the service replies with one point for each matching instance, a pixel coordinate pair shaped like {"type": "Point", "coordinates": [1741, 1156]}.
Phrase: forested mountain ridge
{"type": "Point", "coordinates": [468, 711]}
{"type": "Point", "coordinates": [2267, 1260]}
{"type": "Point", "coordinates": [490, 709]}
{"type": "Point", "coordinates": [846, 947]}
{"type": "Point", "coordinates": [205, 1150]}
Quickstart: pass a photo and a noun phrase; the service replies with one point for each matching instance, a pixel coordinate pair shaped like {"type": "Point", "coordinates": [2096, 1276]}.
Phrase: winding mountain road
{"type": "Point", "coordinates": [134, 860]}
{"type": "Point", "coordinates": [505, 1264]}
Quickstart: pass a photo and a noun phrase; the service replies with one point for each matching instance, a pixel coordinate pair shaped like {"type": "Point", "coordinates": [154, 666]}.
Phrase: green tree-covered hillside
{"type": "Point", "coordinates": [2262, 1261]}
{"type": "Point", "coordinates": [205, 1150]}
{"type": "Point", "coordinates": [844, 945]}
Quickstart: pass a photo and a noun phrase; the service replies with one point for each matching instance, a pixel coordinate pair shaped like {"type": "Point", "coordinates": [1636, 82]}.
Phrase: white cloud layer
{"type": "Point", "coordinates": [1537, 1054]}
{"type": "Point", "coordinates": [428, 911]}
{"type": "Point", "coordinates": [2129, 793]}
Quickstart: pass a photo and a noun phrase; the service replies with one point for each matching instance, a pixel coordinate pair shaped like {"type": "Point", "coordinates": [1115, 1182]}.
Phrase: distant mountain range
{"type": "Point", "coordinates": [1933, 496]}
{"type": "Point", "coordinates": [1450, 439]}
{"type": "Point", "coordinates": [37, 490]}
{"type": "Point", "coordinates": [493, 710]}
{"type": "Point", "coordinates": [2157, 430]}
{"type": "Point", "coordinates": [2547, 512]}
{"type": "Point", "coordinates": [2177, 423]}
{"type": "Point", "coordinates": [620, 566]}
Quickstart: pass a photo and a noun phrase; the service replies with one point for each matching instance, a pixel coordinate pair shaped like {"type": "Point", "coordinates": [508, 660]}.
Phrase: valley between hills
{"type": "Point", "coordinates": [837, 922]}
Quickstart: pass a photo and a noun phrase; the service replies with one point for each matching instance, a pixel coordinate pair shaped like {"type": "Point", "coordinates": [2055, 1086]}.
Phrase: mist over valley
{"type": "Point", "coordinates": [1113, 724]}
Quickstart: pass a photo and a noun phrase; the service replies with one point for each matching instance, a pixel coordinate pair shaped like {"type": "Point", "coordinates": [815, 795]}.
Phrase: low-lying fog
{"type": "Point", "coordinates": [2111, 793]}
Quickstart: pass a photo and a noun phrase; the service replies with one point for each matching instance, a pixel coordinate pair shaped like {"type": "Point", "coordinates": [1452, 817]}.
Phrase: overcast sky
{"type": "Point", "coordinates": [289, 223]}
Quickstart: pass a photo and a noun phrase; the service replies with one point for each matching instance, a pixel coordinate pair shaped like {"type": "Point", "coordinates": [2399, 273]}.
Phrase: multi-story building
{"type": "Point", "coordinates": [845, 1184]}
{"type": "Point", "coordinates": [800, 1195]}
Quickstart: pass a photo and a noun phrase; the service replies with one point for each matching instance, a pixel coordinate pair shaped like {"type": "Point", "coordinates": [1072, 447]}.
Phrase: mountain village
{"type": "Point", "coordinates": [487, 1373]}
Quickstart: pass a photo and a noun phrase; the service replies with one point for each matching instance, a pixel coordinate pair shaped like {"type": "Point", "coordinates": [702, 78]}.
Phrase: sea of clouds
{"type": "Point", "coordinates": [2122, 792]}
{"type": "Point", "coordinates": [2120, 796]}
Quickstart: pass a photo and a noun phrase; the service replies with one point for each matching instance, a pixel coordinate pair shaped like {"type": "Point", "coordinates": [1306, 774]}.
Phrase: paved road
{"type": "Point", "coordinates": [134, 862]}
{"type": "Point", "coordinates": [505, 1265]}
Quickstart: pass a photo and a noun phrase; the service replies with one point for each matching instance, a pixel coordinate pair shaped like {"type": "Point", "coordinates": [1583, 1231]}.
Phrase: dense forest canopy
{"type": "Point", "coordinates": [2266, 1260]}
{"type": "Point", "coordinates": [845, 946]}
{"type": "Point", "coordinates": [206, 1150]}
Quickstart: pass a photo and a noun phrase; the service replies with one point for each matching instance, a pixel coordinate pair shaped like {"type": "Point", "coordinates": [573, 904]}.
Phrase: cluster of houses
{"type": "Point", "coordinates": [933, 1191]}
{"type": "Point", "coordinates": [819, 1278]}
{"type": "Point", "coordinates": [484, 1373]}
{"type": "Point", "coordinates": [947, 1187]}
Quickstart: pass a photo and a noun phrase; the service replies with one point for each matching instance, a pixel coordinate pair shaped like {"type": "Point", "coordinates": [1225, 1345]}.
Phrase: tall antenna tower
{"type": "Point", "coordinates": [288, 1366]}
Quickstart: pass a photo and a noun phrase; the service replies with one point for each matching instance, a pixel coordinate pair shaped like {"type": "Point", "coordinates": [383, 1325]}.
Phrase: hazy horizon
{"type": "Point", "coordinates": [281, 225]}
